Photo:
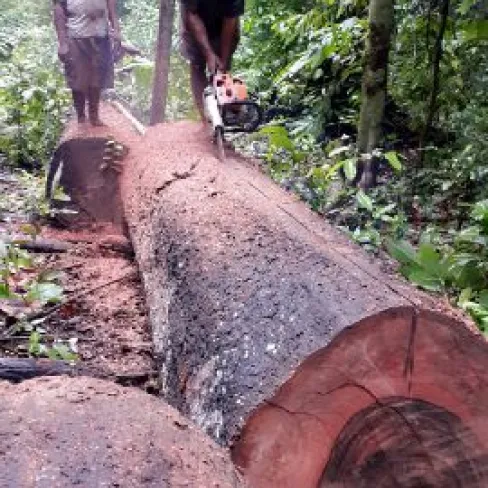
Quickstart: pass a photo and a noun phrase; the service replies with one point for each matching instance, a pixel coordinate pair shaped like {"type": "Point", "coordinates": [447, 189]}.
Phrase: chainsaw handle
{"type": "Point", "coordinates": [212, 75]}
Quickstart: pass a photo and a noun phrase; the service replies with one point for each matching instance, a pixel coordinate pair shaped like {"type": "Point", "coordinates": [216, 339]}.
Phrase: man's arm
{"type": "Point", "coordinates": [113, 19]}
{"type": "Point", "coordinates": [233, 9]}
{"type": "Point", "coordinates": [230, 36]}
{"type": "Point", "coordinates": [196, 26]}
{"type": "Point", "coordinates": [59, 17]}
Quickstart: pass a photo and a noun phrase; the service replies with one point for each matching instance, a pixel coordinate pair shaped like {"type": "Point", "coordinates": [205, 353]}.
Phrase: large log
{"type": "Point", "coordinates": [243, 283]}
{"type": "Point", "coordinates": [265, 316]}
{"type": "Point", "coordinates": [64, 432]}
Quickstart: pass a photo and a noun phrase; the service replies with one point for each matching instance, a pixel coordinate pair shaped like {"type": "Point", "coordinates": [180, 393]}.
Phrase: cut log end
{"type": "Point", "coordinates": [398, 399]}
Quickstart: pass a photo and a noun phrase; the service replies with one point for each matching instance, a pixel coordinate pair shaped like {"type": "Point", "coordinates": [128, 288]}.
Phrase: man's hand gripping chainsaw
{"type": "Point", "coordinates": [228, 108]}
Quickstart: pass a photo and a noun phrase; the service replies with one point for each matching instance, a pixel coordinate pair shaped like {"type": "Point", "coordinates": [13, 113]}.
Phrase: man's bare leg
{"type": "Point", "coordinates": [94, 107]}
{"type": "Point", "coordinates": [79, 101]}
{"type": "Point", "coordinates": [198, 84]}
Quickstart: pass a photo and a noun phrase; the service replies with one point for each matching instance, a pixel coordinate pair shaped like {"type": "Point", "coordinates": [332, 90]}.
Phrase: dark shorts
{"type": "Point", "coordinates": [191, 50]}
{"type": "Point", "coordinates": [89, 64]}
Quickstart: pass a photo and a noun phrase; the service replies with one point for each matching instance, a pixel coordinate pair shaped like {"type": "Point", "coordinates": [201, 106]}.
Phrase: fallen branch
{"type": "Point", "coordinates": [41, 245]}
{"type": "Point", "coordinates": [16, 370]}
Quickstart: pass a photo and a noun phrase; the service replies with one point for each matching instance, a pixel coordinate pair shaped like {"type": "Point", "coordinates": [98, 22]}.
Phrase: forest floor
{"type": "Point", "coordinates": [103, 316]}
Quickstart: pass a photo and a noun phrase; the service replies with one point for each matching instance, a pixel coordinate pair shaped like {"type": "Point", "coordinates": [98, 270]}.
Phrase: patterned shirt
{"type": "Point", "coordinates": [86, 18]}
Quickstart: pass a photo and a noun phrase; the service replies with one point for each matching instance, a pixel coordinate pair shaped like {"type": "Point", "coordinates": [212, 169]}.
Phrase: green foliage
{"type": "Point", "coordinates": [135, 75]}
{"type": "Point", "coordinates": [19, 279]}
{"type": "Point", "coordinates": [33, 99]}
{"type": "Point", "coordinates": [308, 54]}
{"type": "Point", "coordinates": [58, 349]}
{"type": "Point", "coordinates": [25, 286]}
{"type": "Point", "coordinates": [460, 267]}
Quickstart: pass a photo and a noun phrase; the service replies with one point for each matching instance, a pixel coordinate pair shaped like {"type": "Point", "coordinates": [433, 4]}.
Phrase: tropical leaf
{"type": "Point", "coordinates": [364, 201]}
{"type": "Point", "coordinates": [425, 279]}
{"type": "Point", "coordinates": [402, 251]}
{"type": "Point", "coordinates": [45, 293]}
{"type": "Point", "coordinates": [392, 158]}
{"type": "Point", "coordinates": [350, 168]}
{"type": "Point", "coordinates": [278, 137]}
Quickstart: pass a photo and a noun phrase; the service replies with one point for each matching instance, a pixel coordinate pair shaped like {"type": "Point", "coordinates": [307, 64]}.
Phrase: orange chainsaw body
{"type": "Point", "coordinates": [229, 89]}
{"type": "Point", "coordinates": [238, 113]}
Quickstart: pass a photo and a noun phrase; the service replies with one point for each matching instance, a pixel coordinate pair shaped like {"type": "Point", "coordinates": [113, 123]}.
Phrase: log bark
{"type": "Point", "coordinates": [242, 282]}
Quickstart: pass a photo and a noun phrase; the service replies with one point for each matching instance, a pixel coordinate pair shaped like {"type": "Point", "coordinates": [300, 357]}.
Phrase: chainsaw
{"type": "Point", "coordinates": [228, 108]}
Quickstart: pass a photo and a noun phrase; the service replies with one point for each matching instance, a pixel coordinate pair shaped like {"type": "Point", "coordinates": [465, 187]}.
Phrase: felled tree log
{"type": "Point", "coordinates": [64, 432]}
{"type": "Point", "coordinates": [243, 283]}
{"type": "Point", "coordinates": [266, 318]}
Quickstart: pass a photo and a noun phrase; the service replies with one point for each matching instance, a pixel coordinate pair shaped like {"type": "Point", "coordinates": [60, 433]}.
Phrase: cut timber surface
{"type": "Point", "coordinates": [85, 165]}
{"type": "Point", "coordinates": [63, 432]}
{"type": "Point", "coordinates": [398, 399]}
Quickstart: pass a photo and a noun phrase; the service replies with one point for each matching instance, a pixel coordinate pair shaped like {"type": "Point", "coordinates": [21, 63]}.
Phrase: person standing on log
{"type": "Point", "coordinates": [84, 28]}
{"type": "Point", "coordinates": [209, 37]}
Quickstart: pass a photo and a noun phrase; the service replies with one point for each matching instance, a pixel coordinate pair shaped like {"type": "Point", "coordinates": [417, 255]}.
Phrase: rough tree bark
{"type": "Point", "coordinates": [242, 283]}
{"type": "Point", "coordinates": [162, 64]}
{"type": "Point", "coordinates": [374, 85]}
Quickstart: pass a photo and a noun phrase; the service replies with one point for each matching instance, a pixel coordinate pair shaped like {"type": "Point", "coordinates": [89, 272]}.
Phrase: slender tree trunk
{"type": "Point", "coordinates": [162, 64]}
{"type": "Point", "coordinates": [374, 82]}
{"type": "Point", "coordinates": [436, 69]}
